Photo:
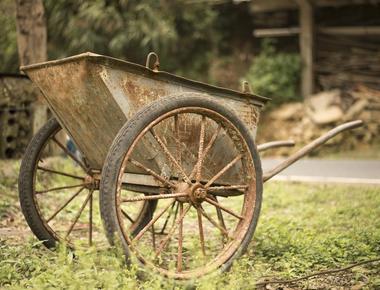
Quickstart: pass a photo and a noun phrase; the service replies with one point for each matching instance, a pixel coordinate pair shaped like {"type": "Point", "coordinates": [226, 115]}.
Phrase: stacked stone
{"type": "Point", "coordinates": [303, 122]}
{"type": "Point", "coordinates": [17, 94]}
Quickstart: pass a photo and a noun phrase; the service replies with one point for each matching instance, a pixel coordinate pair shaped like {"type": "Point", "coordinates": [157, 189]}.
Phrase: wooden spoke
{"type": "Point", "coordinates": [227, 187]}
{"type": "Point", "coordinates": [224, 169]}
{"type": "Point", "coordinates": [72, 156]}
{"type": "Point", "coordinates": [59, 172]}
{"type": "Point", "coordinates": [214, 223]}
{"type": "Point", "coordinates": [60, 188]}
{"type": "Point", "coordinates": [79, 213]}
{"type": "Point", "coordinates": [201, 234]}
{"type": "Point", "coordinates": [219, 213]}
{"type": "Point", "coordinates": [151, 172]}
{"type": "Point", "coordinates": [65, 204]}
{"type": "Point", "coordinates": [168, 217]}
{"type": "Point", "coordinates": [177, 138]}
{"type": "Point", "coordinates": [152, 221]}
{"type": "Point", "coordinates": [200, 150]}
{"type": "Point", "coordinates": [206, 150]}
{"type": "Point", "coordinates": [165, 241]}
{"type": "Point", "coordinates": [175, 214]}
{"type": "Point", "coordinates": [153, 238]}
{"type": "Point", "coordinates": [172, 160]}
{"type": "Point", "coordinates": [127, 216]}
{"type": "Point", "coordinates": [153, 197]}
{"type": "Point", "coordinates": [180, 239]}
{"type": "Point", "coordinates": [218, 205]}
{"type": "Point", "coordinates": [90, 208]}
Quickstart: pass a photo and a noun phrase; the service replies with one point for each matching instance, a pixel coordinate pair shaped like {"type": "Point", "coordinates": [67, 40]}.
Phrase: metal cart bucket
{"type": "Point", "coordinates": [93, 96]}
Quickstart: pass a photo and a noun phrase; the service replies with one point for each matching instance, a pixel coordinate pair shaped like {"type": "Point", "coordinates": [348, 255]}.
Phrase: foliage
{"type": "Point", "coordinates": [275, 74]}
{"type": "Point", "coordinates": [189, 36]}
{"type": "Point", "coordinates": [303, 228]}
{"type": "Point", "coordinates": [107, 26]}
{"type": "Point", "coordinates": [184, 36]}
{"type": "Point", "coordinates": [131, 29]}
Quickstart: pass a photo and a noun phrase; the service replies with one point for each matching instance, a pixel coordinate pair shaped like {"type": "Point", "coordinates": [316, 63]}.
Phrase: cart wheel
{"type": "Point", "coordinates": [212, 156]}
{"type": "Point", "coordinates": [55, 188]}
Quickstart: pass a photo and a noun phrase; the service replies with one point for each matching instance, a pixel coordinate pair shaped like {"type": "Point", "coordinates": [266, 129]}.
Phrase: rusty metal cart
{"type": "Point", "coordinates": [174, 160]}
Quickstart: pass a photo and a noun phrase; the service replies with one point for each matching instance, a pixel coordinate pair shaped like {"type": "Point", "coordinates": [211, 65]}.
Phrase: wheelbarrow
{"type": "Point", "coordinates": [174, 160]}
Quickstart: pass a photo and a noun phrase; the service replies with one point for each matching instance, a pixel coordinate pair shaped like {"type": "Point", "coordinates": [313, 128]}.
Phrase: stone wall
{"type": "Point", "coordinates": [17, 94]}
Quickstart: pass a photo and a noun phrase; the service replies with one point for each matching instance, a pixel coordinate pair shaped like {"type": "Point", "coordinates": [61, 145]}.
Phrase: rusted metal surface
{"type": "Point", "coordinates": [222, 224]}
{"type": "Point", "coordinates": [311, 146]}
{"type": "Point", "coordinates": [93, 96]}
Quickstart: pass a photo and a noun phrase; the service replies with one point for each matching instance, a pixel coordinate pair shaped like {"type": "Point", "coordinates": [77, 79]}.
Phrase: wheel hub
{"type": "Point", "coordinates": [199, 193]}
{"type": "Point", "coordinates": [195, 192]}
{"type": "Point", "coordinates": [91, 182]}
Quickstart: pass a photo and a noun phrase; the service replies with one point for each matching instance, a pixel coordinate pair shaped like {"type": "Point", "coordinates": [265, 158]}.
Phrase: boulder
{"type": "Point", "coordinates": [292, 111]}
{"type": "Point", "coordinates": [328, 115]}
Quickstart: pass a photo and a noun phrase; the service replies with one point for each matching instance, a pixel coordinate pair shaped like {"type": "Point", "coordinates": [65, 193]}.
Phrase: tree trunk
{"type": "Point", "coordinates": [31, 31]}
{"type": "Point", "coordinates": [32, 46]}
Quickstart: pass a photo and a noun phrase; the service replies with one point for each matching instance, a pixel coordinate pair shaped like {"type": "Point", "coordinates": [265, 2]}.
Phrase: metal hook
{"type": "Point", "coordinates": [156, 64]}
{"type": "Point", "coordinates": [245, 87]}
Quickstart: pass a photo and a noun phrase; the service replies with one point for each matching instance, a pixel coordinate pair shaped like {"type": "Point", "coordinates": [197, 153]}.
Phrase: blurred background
{"type": "Point", "coordinates": [319, 60]}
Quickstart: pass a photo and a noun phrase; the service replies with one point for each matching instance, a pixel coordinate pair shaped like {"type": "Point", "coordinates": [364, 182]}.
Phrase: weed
{"type": "Point", "coordinates": [303, 228]}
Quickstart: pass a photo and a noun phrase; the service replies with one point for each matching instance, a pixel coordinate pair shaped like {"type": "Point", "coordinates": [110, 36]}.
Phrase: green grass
{"type": "Point", "coordinates": [303, 228]}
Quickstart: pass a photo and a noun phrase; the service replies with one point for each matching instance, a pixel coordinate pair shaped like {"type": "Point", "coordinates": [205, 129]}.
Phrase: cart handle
{"type": "Point", "coordinates": [309, 147]}
{"type": "Point", "coordinates": [275, 144]}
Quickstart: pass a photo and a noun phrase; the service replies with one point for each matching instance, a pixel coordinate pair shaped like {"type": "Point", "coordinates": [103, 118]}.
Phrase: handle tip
{"type": "Point", "coordinates": [356, 123]}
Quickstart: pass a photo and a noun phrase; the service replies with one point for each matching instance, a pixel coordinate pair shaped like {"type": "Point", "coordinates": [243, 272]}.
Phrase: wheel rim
{"type": "Point", "coordinates": [191, 198]}
{"type": "Point", "coordinates": [65, 189]}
